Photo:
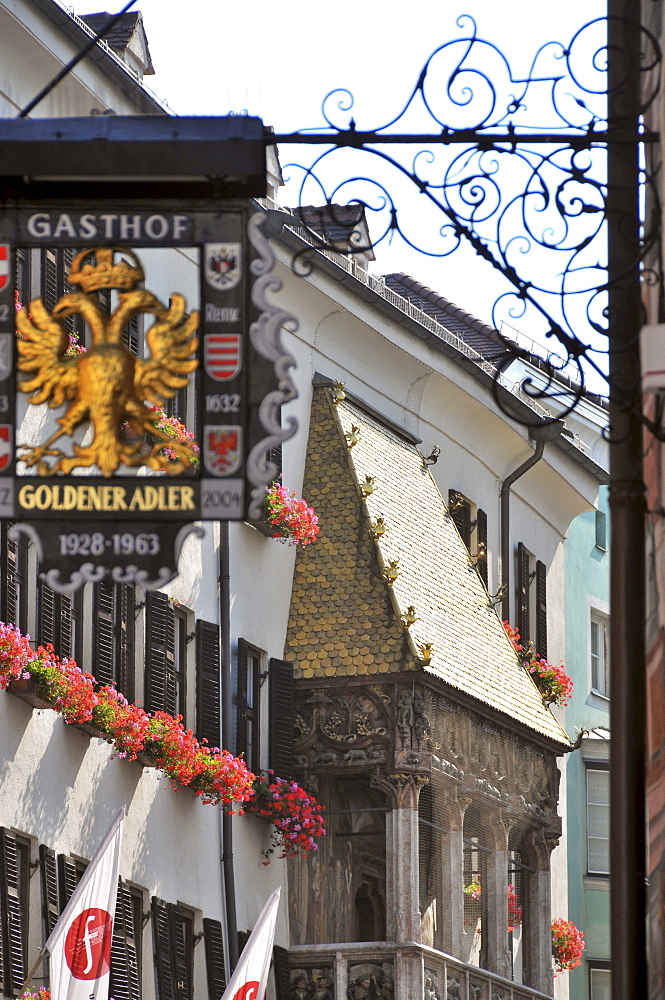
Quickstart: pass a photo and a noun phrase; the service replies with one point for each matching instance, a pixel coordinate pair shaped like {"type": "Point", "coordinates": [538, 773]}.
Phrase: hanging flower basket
{"type": "Point", "coordinates": [295, 815]}
{"type": "Point", "coordinates": [287, 517]}
{"type": "Point", "coordinates": [567, 945]}
{"type": "Point", "coordinates": [553, 682]}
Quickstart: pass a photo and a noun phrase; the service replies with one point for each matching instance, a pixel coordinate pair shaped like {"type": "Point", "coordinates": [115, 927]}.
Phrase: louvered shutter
{"type": "Point", "coordinates": [164, 957]}
{"type": "Point", "coordinates": [280, 959]}
{"type": "Point", "coordinates": [208, 692]}
{"type": "Point", "coordinates": [241, 706]}
{"type": "Point", "coordinates": [69, 876]}
{"type": "Point", "coordinates": [523, 593]}
{"type": "Point", "coordinates": [15, 921]}
{"type": "Point", "coordinates": [125, 624]}
{"type": "Point", "coordinates": [47, 615]}
{"type": "Point", "coordinates": [183, 961]}
{"type": "Point", "coordinates": [65, 616]}
{"type": "Point", "coordinates": [280, 731]}
{"type": "Point", "coordinates": [161, 690]}
{"type": "Point", "coordinates": [215, 965]}
{"type": "Point", "coordinates": [50, 290]}
{"type": "Point", "coordinates": [48, 871]}
{"type": "Point", "coordinates": [481, 538]}
{"type": "Point", "coordinates": [243, 938]}
{"type": "Point", "coordinates": [461, 515]}
{"type": "Point", "coordinates": [125, 982]}
{"type": "Point", "coordinates": [104, 667]}
{"type": "Point", "coordinates": [130, 335]}
{"type": "Point", "coordinates": [11, 610]}
{"type": "Point", "coordinates": [541, 609]}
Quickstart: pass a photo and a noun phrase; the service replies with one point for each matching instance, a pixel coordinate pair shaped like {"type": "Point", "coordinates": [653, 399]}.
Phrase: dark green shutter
{"type": "Point", "coordinates": [461, 516]}
{"type": "Point", "coordinates": [280, 731]}
{"type": "Point", "coordinates": [241, 702]}
{"type": "Point", "coordinates": [164, 958]}
{"type": "Point", "coordinates": [481, 539]}
{"type": "Point", "coordinates": [47, 615]}
{"type": "Point", "coordinates": [541, 609]}
{"type": "Point", "coordinates": [522, 622]}
{"type": "Point", "coordinates": [103, 665]}
{"type": "Point", "coordinates": [48, 871]}
{"type": "Point", "coordinates": [280, 958]}
{"type": "Point", "coordinates": [65, 621]}
{"type": "Point", "coordinates": [125, 981]}
{"type": "Point", "coordinates": [15, 920]}
{"type": "Point", "coordinates": [69, 876]}
{"type": "Point", "coordinates": [125, 639]}
{"type": "Point", "coordinates": [182, 960]}
{"type": "Point", "coordinates": [208, 691]}
{"type": "Point", "coordinates": [161, 690]}
{"type": "Point", "coordinates": [215, 965]}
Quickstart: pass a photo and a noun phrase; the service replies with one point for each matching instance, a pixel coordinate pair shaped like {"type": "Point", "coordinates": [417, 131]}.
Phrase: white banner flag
{"type": "Point", "coordinates": [79, 945]}
{"type": "Point", "coordinates": [250, 978]}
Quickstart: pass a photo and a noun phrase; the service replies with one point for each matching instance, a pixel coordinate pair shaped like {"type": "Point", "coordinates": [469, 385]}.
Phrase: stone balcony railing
{"type": "Point", "coordinates": [396, 972]}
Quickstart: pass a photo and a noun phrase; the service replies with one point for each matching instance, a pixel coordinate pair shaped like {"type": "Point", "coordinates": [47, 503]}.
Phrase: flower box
{"type": "Point", "coordinates": [87, 727]}
{"type": "Point", "coordinates": [146, 759]}
{"type": "Point", "coordinates": [26, 690]}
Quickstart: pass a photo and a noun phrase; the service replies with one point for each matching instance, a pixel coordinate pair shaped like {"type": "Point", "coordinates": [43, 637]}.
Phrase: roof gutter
{"type": "Point", "coordinates": [542, 435]}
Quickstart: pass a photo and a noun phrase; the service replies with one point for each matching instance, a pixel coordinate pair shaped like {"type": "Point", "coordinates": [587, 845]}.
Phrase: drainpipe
{"type": "Point", "coordinates": [227, 733]}
{"type": "Point", "coordinates": [541, 434]}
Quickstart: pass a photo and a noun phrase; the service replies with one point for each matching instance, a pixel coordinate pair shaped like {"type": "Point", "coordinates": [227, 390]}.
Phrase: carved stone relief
{"type": "Point", "coordinates": [432, 990]}
{"type": "Point", "coordinates": [312, 984]}
{"type": "Point", "coordinates": [368, 981]}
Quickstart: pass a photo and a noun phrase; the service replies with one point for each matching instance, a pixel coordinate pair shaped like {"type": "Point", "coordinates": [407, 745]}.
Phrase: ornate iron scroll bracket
{"type": "Point", "coordinates": [514, 165]}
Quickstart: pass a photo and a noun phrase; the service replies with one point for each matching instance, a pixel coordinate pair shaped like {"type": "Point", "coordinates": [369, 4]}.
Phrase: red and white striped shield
{"type": "Point", "coordinates": [5, 445]}
{"type": "Point", "coordinates": [222, 355]}
{"type": "Point", "coordinates": [4, 265]}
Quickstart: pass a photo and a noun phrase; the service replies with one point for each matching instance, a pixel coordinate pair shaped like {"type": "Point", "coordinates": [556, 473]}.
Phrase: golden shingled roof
{"type": "Point", "coordinates": [346, 620]}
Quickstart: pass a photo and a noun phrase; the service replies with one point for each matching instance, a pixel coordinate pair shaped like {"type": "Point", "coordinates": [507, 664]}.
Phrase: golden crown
{"type": "Point", "coordinates": [105, 274]}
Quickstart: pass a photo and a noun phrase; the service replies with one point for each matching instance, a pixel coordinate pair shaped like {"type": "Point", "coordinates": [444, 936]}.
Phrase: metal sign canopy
{"type": "Point", "coordinates": [123, 499]}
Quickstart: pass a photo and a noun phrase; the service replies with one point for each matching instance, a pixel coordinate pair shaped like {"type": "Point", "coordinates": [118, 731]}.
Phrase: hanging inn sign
{"type": "Point", "coordinates": [96, 468]}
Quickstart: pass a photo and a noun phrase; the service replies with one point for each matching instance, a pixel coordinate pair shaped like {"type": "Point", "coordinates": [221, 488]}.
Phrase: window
{"type": "Point", "coordinates": [601, 530]}
{"type": "Point", "coordinates": [173, 934]}
{"type": "Point", "coordinates": [531, 593]}
{"type": "Point", "coordinates": [471, 522]}
{"type": "Point", "coordinates": [13, 568]}
{"type": "Point", "coordinates": [599, 981]}
{"type": "Point", "coordinates": [59, 620]}
{"type": "Point", "coordinates": [113, 652]}
{"type": "Point", "coordinates": [598, 653]}
{"type": "Point", "coordinates": [248, 737]}
{"type": "Point", "coordinates": [14, 898]}
{"type": "Point", "coordinates": [598, 821]}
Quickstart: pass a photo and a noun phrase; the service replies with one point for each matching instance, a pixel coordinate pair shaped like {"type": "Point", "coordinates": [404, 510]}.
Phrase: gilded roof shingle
{"type": "Point", "coordinates": [344, 616]}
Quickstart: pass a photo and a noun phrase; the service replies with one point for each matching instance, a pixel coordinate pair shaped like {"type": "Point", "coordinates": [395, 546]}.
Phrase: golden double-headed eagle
{"type": "Point", "coordinates": [107, 385]}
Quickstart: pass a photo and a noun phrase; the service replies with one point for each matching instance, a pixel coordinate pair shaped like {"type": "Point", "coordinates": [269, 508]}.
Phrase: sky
{"type": "Point", "coordinates": [279, 61]}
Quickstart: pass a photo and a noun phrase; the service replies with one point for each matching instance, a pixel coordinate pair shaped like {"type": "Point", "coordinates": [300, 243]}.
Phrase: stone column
{"type": "Point", "coordinates": [495, 934]}
{"type": "Point", "coordinates": [451, 902]}
{"type": "Point", "coordinates": [402, 904]}
{"type": "Point", "coordinates": [538, 944]}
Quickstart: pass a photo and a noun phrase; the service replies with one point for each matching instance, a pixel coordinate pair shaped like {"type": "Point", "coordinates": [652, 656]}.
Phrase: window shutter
{"type": "Point", "coordinates": [523, 593]}
{"type": "Point", "coordinates": [481, 538]}
{"type": "Point", "coordinates": [208, 693]}
{"type": "Point", "coordinates": [243, 938]}
{"type": "Point", "coordinates": [65, 640]}
{"type": "Point", "coordinates": [50, 289]}
{"type": "Point", "coordinates": [541, 609]}
{"type": "Point", "coordinates": [182, 959]}
{"type": "Point", "coordinates": [164, 958]}
{"type": "Point", "coordinates": [125, 624]}
{"type": "Point", "coordinates": [48, 870]}
{"type": "Point", "coordinates": [280, 958]}
{"type": "Point", "coordinates": [10, 602]}
{"type": "Point", "coordinates": [104, 637]}
{"type": "Point", "coordinates": [461, 515]}
{"type": "Point", "coordinates": [280, 732]}
{"type": "Point", "coordinates": [160, 654]}
{"type": "Point", "coordinates": [47, 615]}
{"type": "Point", "coordinates": [15, 921]}
{"type": "Point", "coordinates": [125, 982]}
{"type": "Point", "coordinates": [69, 876]}
{"type": "Point", "coordinates": [241, 713]}
{"type": "Point", "coordinates": [215, 966]}
{"type": "Point", "coordinates": [130, 335]}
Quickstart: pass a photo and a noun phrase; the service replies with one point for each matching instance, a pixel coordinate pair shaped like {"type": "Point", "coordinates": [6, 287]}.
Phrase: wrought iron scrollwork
{"type": "Point", "coordinates": [516, 166]}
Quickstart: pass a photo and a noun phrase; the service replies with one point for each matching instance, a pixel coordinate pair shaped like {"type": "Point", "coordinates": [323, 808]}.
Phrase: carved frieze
{"type": "Point", "coordinates": [312, 984]}
{"type": "Point", "coordinates": [370, 981]}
